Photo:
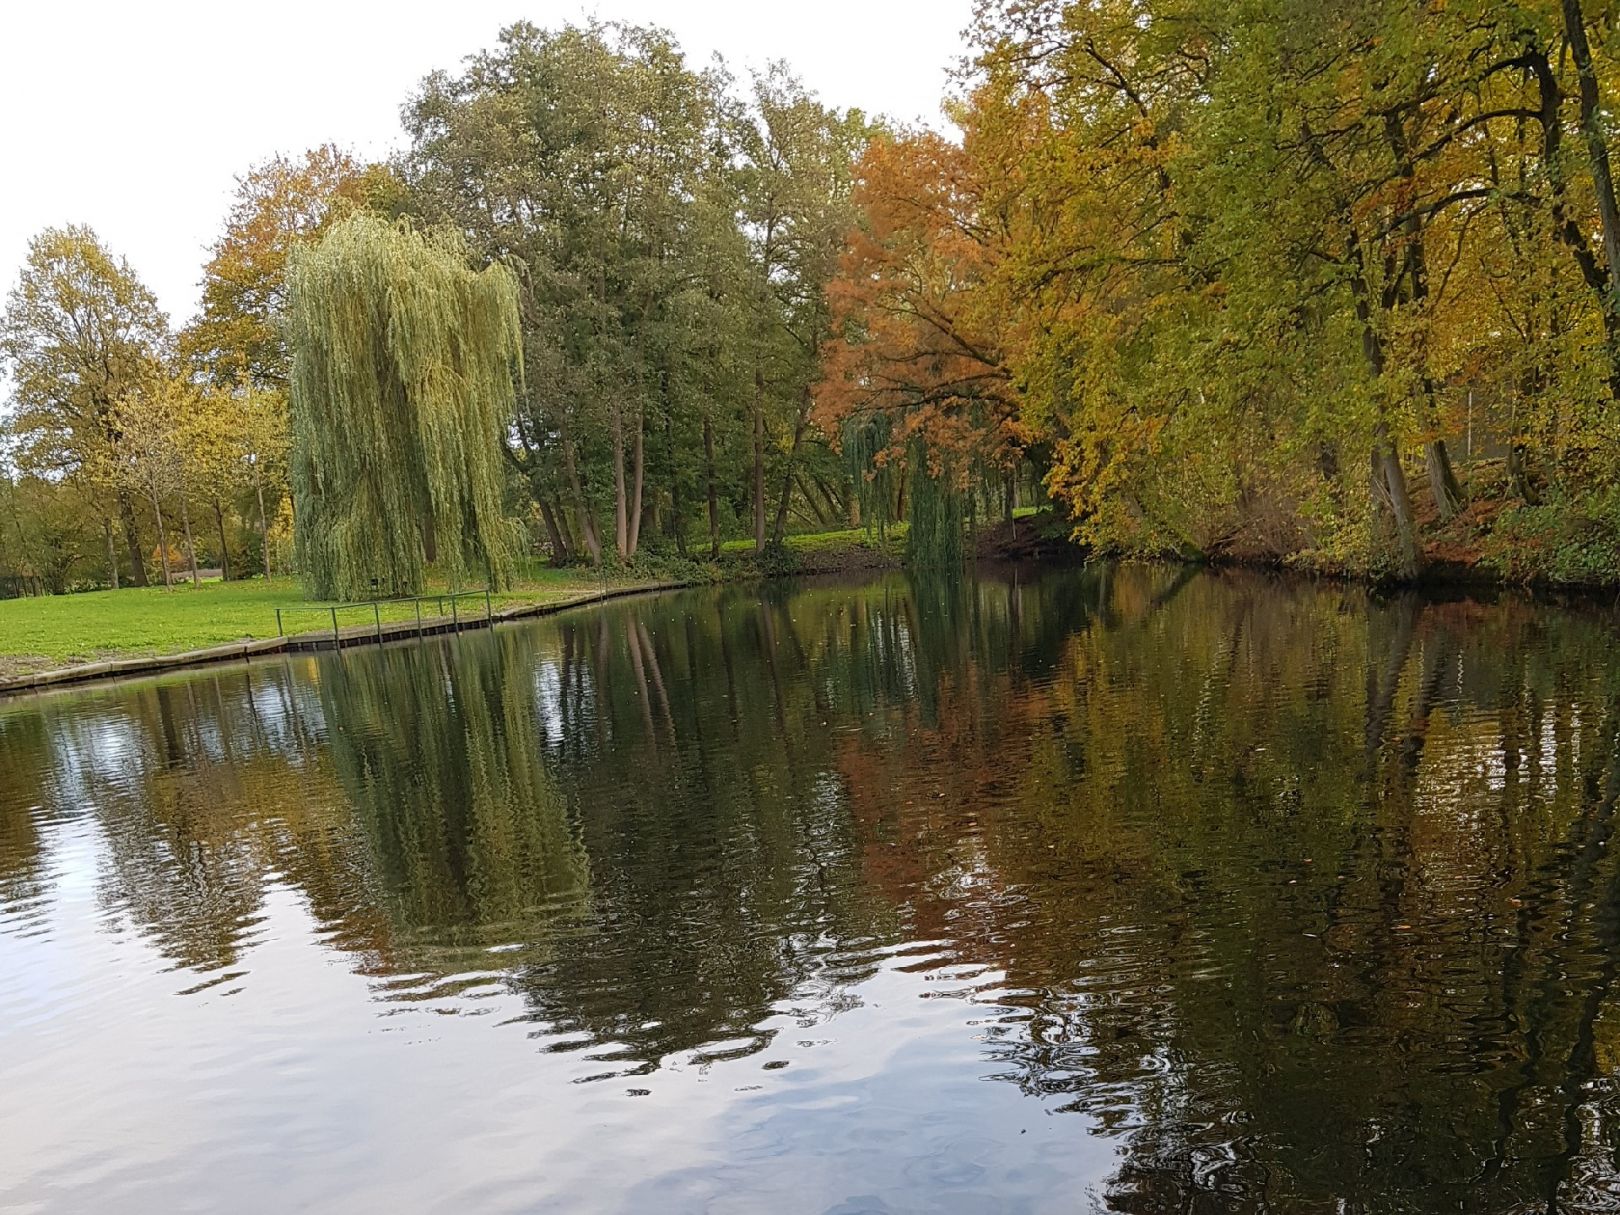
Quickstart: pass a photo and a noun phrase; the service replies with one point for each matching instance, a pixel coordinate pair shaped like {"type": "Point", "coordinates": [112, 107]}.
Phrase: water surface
{"type": "Point", "coordinates": [1115, 890]}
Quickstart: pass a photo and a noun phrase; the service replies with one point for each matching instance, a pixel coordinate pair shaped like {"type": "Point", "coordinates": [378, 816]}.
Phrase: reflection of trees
{"type": "Point", "coordinates": [24, 754]}
{"type": "Point", "coordinates": [720, 853]}
{"type": "Point", "coordinates": [193, 786]}
{"type": "Point", "coordinates": [443, 760]}
{"type": "Point", "coordinates": [1337, 869]}
{"type": "Point", "coordinates": [1300, 893]}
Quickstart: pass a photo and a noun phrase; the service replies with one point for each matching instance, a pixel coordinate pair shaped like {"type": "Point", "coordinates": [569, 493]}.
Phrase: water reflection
{"type": "Point", "coordinates": [1277, 897]}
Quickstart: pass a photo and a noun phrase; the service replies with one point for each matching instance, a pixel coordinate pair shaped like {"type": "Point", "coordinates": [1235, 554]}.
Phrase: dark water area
{"type": "Point", "coordinates": [1106, 889]}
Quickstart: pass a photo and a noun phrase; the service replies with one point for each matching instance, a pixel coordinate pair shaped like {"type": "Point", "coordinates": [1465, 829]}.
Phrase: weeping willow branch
{"type": "Point", "coordinates": [402, 380]}
{"type": "Point", "coordinates": [935, 538]}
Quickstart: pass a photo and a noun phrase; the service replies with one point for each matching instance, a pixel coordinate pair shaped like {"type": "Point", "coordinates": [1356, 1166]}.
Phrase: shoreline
{"type": "Point", "coordinates": [247, 651]}
{"type": "Point", "coordinates": [1438, 577]}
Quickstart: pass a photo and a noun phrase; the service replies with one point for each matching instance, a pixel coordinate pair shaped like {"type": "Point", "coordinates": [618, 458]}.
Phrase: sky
{"type": "Point", "coordinates": [137, 118]}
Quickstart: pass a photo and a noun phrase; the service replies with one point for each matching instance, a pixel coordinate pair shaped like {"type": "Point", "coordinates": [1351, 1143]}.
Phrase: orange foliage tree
{"type": "Point", "coordinates": [916, 360]}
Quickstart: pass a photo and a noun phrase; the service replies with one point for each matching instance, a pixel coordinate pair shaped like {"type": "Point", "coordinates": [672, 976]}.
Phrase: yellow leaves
{"type": "Point", "coordinates": [280, 205]}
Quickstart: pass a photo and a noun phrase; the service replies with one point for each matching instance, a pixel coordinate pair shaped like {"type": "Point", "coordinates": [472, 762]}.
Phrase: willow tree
{"type": "Point", "coordinates": [403, 362]}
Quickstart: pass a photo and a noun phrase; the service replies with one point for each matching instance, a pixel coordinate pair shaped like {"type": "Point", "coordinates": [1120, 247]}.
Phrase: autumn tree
{"type": "Point", "coordinates": [916, 360]}
{"type": "Point", "coordinates": [1247, 270]}
{"type": "Point", "coordinates": [281, 205]}
{"type": "Point", "coordinates": [147, 456]}
{"type": "Point", "coordinates": [80, 333]}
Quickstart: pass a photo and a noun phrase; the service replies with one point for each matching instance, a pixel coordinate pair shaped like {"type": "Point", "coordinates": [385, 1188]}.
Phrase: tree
{"type": "Point", "coordinates": [80, 333]}
{"type": "Point", "coordinates": [260, 450]}
{"type": "Point", "coordinates": [281, 205]}
{"type": "Point", "coordinates": [673, 241]}
{"type": "Point", "coordinates": [402, 384]}
{"type": "Point", "coordinates": [587, 156]}
{"type": "Point", "coordinates": [796, 176]}
{"type": "Point", "coordinates": [1244, 270]}
{"type": "Point", "coordinates": [147, 457]}
{"type": "Point", "coordinates": [917, 356]}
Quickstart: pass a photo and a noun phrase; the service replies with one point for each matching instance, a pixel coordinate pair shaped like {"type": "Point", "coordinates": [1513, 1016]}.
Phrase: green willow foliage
{"type": "Point", "coordinates": [935, 538]}
{"type": "Point", "coordinates": [403, 362]}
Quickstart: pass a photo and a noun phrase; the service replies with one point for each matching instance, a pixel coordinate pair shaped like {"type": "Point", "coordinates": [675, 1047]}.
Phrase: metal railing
{"type": "Point", "coordinates": [376, 605]}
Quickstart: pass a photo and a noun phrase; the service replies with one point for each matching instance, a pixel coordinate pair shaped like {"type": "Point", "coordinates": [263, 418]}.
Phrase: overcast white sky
{"type": "Point", "coordinates": [136, 117]}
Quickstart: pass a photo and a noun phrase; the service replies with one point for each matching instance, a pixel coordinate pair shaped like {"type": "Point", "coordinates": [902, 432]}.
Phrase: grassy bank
{"type": "Point", "coordinates": [57, 631]}
{"type": "Point", "coordinates": [62, 630]}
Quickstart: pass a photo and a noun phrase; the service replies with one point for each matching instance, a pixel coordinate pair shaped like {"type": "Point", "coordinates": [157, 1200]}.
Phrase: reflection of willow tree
{"type": "Point", "coordinates": [442, 753]}
{"type": "Point", "coordinates": [721, 856]}
{"type": "Point", "coordinates": [701, 735]}
{"type": "Point", "coordinates": [1336, 867]}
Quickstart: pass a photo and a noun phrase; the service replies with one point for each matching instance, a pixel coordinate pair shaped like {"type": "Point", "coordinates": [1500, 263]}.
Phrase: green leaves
{"type": "Point", "coordinates": [402, 387]}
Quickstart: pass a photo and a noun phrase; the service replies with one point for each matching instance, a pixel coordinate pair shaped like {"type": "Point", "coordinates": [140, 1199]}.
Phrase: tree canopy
{"type": "Point", "coordinates": [1333, 285]}
{"type": "Point", "coordinates": [403, 368]}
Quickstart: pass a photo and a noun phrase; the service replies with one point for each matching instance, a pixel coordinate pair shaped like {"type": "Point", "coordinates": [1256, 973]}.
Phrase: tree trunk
{"type": "Point", "coordinates": [1389, 486]}
{"type": "Point", "coordinates": [430, 539]}
{"type": "Point", "coordinates": [1568, 231]}
{"type": "Point", "coordinates": [224, 546]}
{"type": "Point", "coordinates": [817, 510]}
{"type": "Point", "coordinates": [638, 455]}
{"type": "Point", "coordinates": [559, 545]}
{"type": "Point", "coordinates": [621, 521]}
{"type": "Point", "coordinates": [1519, 474]}
{"type": "Point", "coordinates": [1443, 484]}
{"type": "Point", "coordinates": [759, 460]}
{"type": "Point", "coordinates": [264, 522]}
{"type": "Point", "coordinates": [1009, 497]}
{"type": "Point", "coordinates": [163, 538]}
{"type": "Point", "coordinates": [112, 551]}
{"type": "Point", "coordinates": [587, 522]}
{"type": "Point", "coordinates": [677, 521]}
{"type": "Point", "coordinates": [1597, 149]}
{"type": "Point", "coordinates": [191, 547]}
{"type": "Point", "coordinates": [799, 424]}
{"type": "Point", "coordinates": [132, 538]}
{"type": "Point", "coordinates": [837, 507]}
{"type": "Point", "coordinates": [713, 494]}
{"type": "Point", "coordinates": [1388, 477]}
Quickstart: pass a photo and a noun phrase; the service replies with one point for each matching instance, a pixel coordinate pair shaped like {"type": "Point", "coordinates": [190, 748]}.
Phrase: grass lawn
{"type": "Point", "coordinates": [820, 542]}
{"type": "Point", "coordinates": [63, 630]}
{"type": "Point", "coordinates": [60, 630]}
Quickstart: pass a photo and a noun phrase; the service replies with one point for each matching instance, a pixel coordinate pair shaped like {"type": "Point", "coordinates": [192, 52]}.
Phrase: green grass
{"type": "Point", "coordinates": [64, 630]}
{"type": "Point", "coordinates": [819, 542]}
{"type": "Point", "coordinates": [59, 630]}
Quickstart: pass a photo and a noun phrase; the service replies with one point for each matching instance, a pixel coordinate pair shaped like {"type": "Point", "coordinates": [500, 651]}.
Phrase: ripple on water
{"type": "Point", "coordinates": [1105, 887]}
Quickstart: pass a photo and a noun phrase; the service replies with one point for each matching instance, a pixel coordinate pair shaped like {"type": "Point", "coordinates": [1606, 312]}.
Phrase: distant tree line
{"type": "Point", "coordinates": [670, 233]}
{"type": "Point", "coordinates": [1336, 284]}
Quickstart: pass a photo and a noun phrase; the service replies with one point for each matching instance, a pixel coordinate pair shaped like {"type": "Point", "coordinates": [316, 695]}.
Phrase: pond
{"type": "Point", "coordinates": [1106, 889]}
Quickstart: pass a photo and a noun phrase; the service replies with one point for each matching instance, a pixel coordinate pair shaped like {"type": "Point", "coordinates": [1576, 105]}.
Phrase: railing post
{"type": "Point", "coordinates": [455, 618]}
{"type": "Point", "coordinates": [337, 641]}
{"type": "Point", "coordinates": [418, 618]}
{"type": "Point", "coordinates": [489, 610]}
{"type": "Point", "coordinates": [376, 611]}
{"type": "Point", "coordinates": [279, 633]}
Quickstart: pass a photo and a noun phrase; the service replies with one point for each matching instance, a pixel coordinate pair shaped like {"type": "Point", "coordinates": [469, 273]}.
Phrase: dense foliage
{"type": "Point", "coordinates": [402, 371]}
{"type": "Point", "coordinates": [1333, 284]}
{"type": "Point", "coordinates": [1325, 282]}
